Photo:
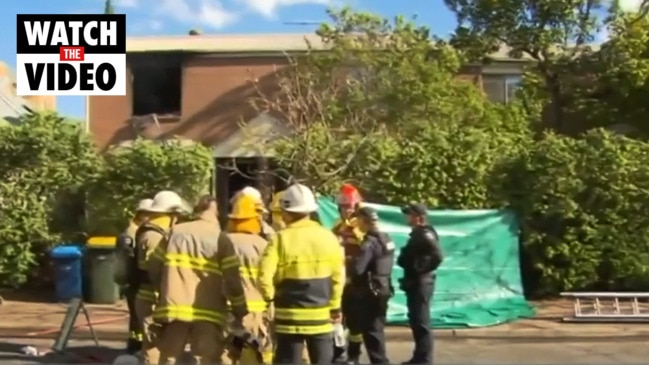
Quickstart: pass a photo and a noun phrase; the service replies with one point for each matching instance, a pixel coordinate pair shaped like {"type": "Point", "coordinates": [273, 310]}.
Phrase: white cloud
{"type": "Point", "coordinates": [630, 5]}
{"type": "Point", "coordinates": [268, 8]}
{"type": "Point", "coordinates": [207, 13]}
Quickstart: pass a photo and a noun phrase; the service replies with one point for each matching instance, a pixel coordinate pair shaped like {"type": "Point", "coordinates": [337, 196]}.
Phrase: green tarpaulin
{"type": "Point", "coordinates": [479, 283]}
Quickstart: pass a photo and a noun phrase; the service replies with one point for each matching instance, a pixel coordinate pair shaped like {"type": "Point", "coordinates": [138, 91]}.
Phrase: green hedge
{"type": "Point", "coordinates": [583, 207]}
{"type": "Point", "coordinates": [49, 169]}
{"type": "Point", "coordinates": [582, 201]}
{"type": "Point", "coordinates": [141, 169]}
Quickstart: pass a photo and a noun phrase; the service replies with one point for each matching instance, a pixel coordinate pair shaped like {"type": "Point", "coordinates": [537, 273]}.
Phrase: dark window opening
{"type": "Point", "coordinates": [156, 84]}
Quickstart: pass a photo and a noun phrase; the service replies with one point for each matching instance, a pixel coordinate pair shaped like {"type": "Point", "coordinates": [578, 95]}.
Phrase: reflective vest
{"type": "Point", "coordinates": [302, 272]}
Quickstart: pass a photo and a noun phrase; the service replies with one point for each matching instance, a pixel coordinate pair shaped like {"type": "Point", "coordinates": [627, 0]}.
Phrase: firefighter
{"type": "Point", "coordinates": [164, 211]}
{"type": "Point", "coordinates": [349, 236]}
{"type": "Point", "coordinates": [276, 212]}
{"type": "Point", "coordinates": [371, 287]}
{"type": "Point", "coordinates": [302, 273]}
{"type": "Point", "coordinates": [419, 258]}
{"type": "Point", "coordinates": [124, 264]}
{"type": "Point", "coordinates": [196, 271]}
{"type": "Point", "coordinates": [266, 229]}
{"type": "Point", "coordinates": [244, 228]}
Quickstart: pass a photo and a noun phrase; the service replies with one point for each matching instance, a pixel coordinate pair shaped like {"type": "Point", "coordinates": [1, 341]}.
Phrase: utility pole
{"type": "Point", "coordinates": [108, 7]}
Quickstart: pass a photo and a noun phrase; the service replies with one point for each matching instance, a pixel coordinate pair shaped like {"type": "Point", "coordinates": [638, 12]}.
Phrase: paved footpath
{"type": "Point", "coordinates": [539, 340]}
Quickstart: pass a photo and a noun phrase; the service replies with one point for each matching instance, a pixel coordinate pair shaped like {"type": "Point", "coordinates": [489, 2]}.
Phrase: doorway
{"type": "Point", "coordinates": [232, 175]}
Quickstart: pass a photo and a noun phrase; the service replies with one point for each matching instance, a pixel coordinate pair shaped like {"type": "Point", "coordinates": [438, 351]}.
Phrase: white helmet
{"type": "Point", "coordinates": [168, 202]}
{"type": "Point", "coordinates": [253, 193]}
{"type": "Point", "coordinates": [144, 205]}
{"type": "Point", "coordinates": [298, 199]}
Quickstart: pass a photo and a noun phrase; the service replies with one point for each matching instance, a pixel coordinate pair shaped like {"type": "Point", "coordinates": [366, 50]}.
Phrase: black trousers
{"type": "Point", "coordinates": [288, 348]}
{"type": "Point", "coordinates": [418, 300]}
{"type": "Point", "coordinates": [369, 320]}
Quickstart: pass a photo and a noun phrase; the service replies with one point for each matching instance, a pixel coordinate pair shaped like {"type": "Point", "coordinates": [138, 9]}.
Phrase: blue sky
{"type": "Point", "coordinates": [167, 17]}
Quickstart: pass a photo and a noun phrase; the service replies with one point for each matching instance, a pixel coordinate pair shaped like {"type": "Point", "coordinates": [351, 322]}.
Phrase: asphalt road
{"type": "Point", "coordinates": [448, 351]}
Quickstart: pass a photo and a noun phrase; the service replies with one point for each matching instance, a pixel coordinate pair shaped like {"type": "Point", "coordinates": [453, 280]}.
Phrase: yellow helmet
{"type": "Point", "coordinates": [275, 205]}
{"type": "Point", "coordinates": [244, 208]}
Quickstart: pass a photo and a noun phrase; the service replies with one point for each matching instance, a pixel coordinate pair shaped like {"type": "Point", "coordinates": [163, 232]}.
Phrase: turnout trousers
{"type": "Point", "coordinates": [135, 329]}
{"type": "Point", "coordinates": [204, 338]}
{"type": "Point", "coordinates": [418, 300]}
{"type": "Point", "coordinates": [151, 332]}
{"type": "Point", "coordinates": [368, 321]}
{"type": "Point", "coordinates": [289, 348]}
{"type": "Point", "coordinates": [354, 337]}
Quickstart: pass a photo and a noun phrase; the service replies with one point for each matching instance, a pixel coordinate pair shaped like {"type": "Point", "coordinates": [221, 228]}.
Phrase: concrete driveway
{"type": "Point", "coordinates": [448, 351]}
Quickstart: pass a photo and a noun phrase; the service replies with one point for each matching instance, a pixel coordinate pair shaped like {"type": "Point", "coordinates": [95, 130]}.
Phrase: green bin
{"type": "Point", "coordinates": [100, 268]}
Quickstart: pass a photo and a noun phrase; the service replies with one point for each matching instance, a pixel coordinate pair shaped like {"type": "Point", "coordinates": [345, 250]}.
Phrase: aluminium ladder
{"type": "Point", "coordinates": [609, 307]}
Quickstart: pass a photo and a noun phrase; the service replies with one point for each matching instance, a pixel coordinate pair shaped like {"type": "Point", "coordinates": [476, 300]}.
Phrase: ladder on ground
{"type": "Point", "coordinates": [609, 307]}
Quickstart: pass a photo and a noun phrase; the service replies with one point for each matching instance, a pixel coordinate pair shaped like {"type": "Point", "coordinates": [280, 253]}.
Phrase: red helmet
{"type": "Point", "coordinates": [348, 195]}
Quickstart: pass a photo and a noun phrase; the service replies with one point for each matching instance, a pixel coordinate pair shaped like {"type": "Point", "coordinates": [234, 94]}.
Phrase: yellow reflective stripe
{"type": "Point", "coordinates": [303, 314]}
{"type": "Point", "coordinates": [147, 294]}
{"type": "Point", "coordinates": [188, 313]}
{"type": "Point", "coordinates": [355, 338]}
{"type": "Point", "coordinates": [256, 305]}
{"type": "Point", "coordinates": [135, 336]}
{"type": "Point", "coordinates": [304, 330]}
{"type": "Point", "coordinates": [247, 272]}
{"type": "Point", "coordinates": [229, 262]}
{"type": "Point", "coordinates": [189, 262]}
{"type": "Point", "coordinates": [237, 301]}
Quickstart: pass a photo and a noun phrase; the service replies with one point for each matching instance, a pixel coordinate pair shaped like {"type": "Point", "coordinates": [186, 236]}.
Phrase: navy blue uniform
{"type": "Point", "coordinates": [371, 286]}
{"type": "Point", "coordinates": [419, 259]}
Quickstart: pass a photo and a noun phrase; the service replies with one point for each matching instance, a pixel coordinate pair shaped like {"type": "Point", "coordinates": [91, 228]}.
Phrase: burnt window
{"type": "Point", "coordinates": [156, 84]}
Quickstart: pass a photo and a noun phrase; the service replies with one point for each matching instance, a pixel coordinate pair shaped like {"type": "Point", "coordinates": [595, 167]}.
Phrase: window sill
{"type": "Point", "coordinates": [160, 118]}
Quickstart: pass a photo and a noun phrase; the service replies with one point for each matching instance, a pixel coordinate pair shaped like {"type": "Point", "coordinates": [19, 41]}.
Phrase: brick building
{"type": "Point", "coordinates": [198, 88]}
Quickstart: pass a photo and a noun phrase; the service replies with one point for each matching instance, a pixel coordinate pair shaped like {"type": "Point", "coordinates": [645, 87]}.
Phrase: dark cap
{"type": "Point", "coordinates": [415, 208]}
{"type": "Point", "coordinates": [368, 213]}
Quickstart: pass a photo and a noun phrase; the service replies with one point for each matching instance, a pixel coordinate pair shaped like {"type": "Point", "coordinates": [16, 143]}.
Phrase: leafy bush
{"type": "Point", "coordinates": [44, 163]}
{"type": "Point", "coordinates": [583, 208]}
{"type": "Point", "coordinates": [141, 169]}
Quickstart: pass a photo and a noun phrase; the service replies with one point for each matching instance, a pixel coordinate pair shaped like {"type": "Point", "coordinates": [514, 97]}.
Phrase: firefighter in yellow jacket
{"type": "Point", "coordinates": [254, 194]}
{"type": "Point", "coordinates": [197, 272]}
{"type": "Point", "coordinates": [244, 229]}
{"type": "Point", "coordinates": [302, 273]}
{"type": "Point", "coordinates": [350, 237]}
{"type": "Point", "coordinates": [276, 212]}
{"type": "Point", "coordinates": [163, 214]}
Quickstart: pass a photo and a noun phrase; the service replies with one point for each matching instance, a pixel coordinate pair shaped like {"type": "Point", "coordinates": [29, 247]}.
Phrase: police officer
{"type": "Point", "coordinates": [124, 272]}
{"type": "Point", "coordinates": [419, 259]}
{"type": "Point", "coordinates": [371, 286]}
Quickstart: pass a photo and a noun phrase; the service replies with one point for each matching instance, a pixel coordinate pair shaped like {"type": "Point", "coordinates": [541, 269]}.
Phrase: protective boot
{"type": "Point", "coordinates": [133, 346]}
{"type": "Point", "coordinates": [353, 353]}
{"type": "Point", "coordinates": [339, 355]}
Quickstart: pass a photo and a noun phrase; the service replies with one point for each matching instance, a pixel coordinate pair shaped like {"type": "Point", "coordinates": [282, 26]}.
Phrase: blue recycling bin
{"type": "Point", "coordinates": [67, 272]}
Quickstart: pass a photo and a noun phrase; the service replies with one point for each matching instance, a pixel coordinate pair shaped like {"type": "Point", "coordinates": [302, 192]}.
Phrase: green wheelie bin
{"type": "Point", "coordinates": [100, 271]}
